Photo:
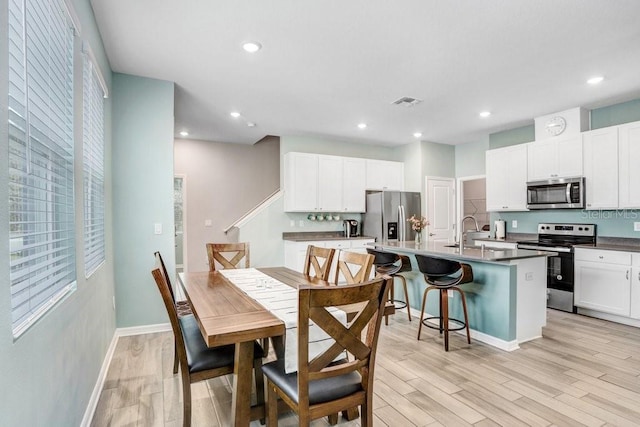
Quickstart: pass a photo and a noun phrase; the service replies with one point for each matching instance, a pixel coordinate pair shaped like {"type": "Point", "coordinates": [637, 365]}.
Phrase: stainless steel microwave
{"type": "Point", "coordinates": [560, 193]}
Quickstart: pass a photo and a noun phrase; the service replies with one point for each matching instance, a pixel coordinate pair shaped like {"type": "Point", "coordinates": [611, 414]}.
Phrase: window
{"type": "Point", "coordinates": [93, 166]}
{"type": "Point", "coordinates": [41, 199]}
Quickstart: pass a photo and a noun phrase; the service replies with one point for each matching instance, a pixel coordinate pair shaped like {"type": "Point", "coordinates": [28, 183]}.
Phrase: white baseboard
{"type": "Point", "coordinates": [97, 389]}
{"type": "Point", "coordinates": [610, 317]}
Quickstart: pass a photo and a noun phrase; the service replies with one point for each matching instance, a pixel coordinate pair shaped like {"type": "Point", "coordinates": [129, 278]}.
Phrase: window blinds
{"type": "Point", "coordinates": [41, 200]}
{"type": "Point", "coordinates": [93, 167]}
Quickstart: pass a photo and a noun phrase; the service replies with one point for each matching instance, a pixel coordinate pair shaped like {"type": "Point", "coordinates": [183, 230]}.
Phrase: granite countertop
{"type": "Point", "coordinates": [472, 253]}
{"type": "Point", "coordinates": [310, 236]}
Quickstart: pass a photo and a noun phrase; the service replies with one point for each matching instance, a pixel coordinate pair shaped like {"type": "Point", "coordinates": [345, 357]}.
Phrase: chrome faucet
{"type": "Point", "coordinates": [461, 233]}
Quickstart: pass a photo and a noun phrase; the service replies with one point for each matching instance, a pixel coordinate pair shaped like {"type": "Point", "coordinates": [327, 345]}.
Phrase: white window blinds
{"type": "Point", "coordinates": [93, 167]}
{"type": "Point", "coordinates": [41, 202]}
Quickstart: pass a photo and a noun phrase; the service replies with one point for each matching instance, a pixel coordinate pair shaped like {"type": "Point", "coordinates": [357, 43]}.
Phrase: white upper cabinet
{"type": "Point", "coordinates": [321, 183]}
{"type": "Point", "coordinates": [300, 182]}
{"type": "Point", "coordinates": [600, 155]}
{"type": "Point", "coordinates": [354, 181]}
{"type": "Point", "coordinates": [506, 172]}
{"type": "Point", "coordinates": [555, 158]}
{"type": "Point", "coordinates": [629, 172]}
{"type": "Point", "coordinates": [385, 175]}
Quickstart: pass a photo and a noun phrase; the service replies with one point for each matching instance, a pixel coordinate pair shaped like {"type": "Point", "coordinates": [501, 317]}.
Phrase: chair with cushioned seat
{"type": "Point", "coordinates": [444, 275]}
{"type": "Point", "coordinates": [199, 362]}
{"type": "Point", "coordinates": [183, 308]}
{"type": "Point", "coordinates": [321, 386]}
{"type": "Point", "coordinates": [391, 264]}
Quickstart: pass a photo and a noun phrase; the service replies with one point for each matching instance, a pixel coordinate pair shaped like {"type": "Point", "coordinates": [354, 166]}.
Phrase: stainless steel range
{"type": "Point", "coordinates": [561, 238]}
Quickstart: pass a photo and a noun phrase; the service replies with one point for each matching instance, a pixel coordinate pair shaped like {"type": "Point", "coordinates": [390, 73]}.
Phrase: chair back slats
{"type": "Point", "coordinates": [317, 262]}
{"type": "Point", "coordinates": [313, 304]}
{"type": "Point", "coordinates": [228, 255]}
{"type": "Point", "coordinates": [354, 267]}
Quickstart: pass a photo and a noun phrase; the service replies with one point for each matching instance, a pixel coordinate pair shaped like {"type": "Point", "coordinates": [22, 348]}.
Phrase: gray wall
{"type": "Point", "coordinates": [48, 374]}
{"type": "Point", "coordinates": [223, 182]}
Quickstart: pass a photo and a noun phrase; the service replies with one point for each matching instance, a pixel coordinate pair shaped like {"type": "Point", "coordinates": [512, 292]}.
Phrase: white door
{"type": "Point", "coordinates": [440, 208]}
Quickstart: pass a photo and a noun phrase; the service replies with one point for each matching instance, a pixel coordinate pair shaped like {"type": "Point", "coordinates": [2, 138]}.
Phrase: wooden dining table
{"type": "Point", "coordinates": [227, 315]}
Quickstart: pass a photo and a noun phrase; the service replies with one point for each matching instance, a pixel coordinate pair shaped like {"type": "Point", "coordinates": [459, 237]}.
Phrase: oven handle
{"type": "Point", "coordinates": [542, 248]}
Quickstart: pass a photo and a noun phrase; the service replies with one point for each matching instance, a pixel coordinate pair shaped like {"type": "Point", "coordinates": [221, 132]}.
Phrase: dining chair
{"type": "Point", "coordinates": [198, 362]}
{"type": "Point", "coordinates": [228, 255]}
{"type": "Point", "coordinates": [323, 386]}
{"type": "Point", "coordinates": [319, 259]}
{"type": "Point", "coordinates": [354, 267]}
{"type": "Point", "coordinates": [183, 308]}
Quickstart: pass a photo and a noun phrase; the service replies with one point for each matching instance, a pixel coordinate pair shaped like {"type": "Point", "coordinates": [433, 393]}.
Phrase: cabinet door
{"type": "Point", "coordinates": [330, 183]}
{"type": "Point", "coordinates": [569, 157]}
{"type": "Point", "coordinates": [385, 175]}
{"type": "Point", "coordinates": [600, 160]}
{"type": "Point", "coordinates": [635, 291]}
{"type": "Point", "coordinates": [301, 182]}
{"type": "Point", "coordinates": [506, 178]}
{"type": "Point", "coordinates": [542, 160]}
{"type": "Point", "coordinates": [354, 179]}
{"type": "Point", "coordinates": [603, 287]}
{"type": "Point", "coordinates": [629, 155]}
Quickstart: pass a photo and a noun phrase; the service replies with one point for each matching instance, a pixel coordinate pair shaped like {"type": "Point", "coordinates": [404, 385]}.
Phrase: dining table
{"type": "Point", "coordinates": [227, 315]}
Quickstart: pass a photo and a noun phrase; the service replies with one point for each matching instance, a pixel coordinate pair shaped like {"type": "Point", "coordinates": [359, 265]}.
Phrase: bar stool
{"type": "Point", "coordinates": [391, 264]}
{"type": "Point", "coordinates": [443, 274]}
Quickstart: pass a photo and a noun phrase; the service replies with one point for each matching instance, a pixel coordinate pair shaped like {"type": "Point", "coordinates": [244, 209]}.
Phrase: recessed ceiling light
{"type": "Point", "coordinates": [417, 134]}
{"type": "Point", "coordinates": [251, 124]}
{"type": "Point", "coordinates": [362, 125]}
{"type": "Point", "coordinates": [184, 133]}
{"type": "Point", "coordinates": [595, 80]}
{"type": "Point", "coordinates": [235, 114]}
{"type": "Point", "coordinates": [485, 114]}
{"type": "Point", "coordinates": [252, 47]}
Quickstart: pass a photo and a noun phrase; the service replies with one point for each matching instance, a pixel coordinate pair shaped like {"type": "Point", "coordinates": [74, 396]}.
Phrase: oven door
{"type": "Point", "coordinates": [560, 282]}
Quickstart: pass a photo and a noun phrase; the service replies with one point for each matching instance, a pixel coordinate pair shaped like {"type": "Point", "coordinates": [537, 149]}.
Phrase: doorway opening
{"type": "Point", "coordinates": [472, 200]}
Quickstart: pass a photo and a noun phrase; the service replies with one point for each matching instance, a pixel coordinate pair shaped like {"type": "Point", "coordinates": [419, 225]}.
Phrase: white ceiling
{"type": "Point", "coordinates": [326, 66]}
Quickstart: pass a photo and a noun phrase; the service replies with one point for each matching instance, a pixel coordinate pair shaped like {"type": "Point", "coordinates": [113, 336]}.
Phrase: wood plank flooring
{"type": "Point", "coordinates": [584, 371]}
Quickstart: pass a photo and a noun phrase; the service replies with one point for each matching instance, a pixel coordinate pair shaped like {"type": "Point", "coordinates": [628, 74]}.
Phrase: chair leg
{"type": "Point", "coordinates": [424, 300]}
{"type": "Point", "coordinates": [272, 405]}
{"type": "Point", "coordinates": [351, 413]}
{"type": "Point", "coordinates": [333, 419]}
{"type": "Point", "coordinates": [406, 294]}
{"type": "Point", "coordinates": [259, 379]}
{"type": "Point", "coordinates": [444, 316]}
{"type": "Point", "coordinates": [186, 399]}
{"type": "Point", "coordinates": [464, 309]}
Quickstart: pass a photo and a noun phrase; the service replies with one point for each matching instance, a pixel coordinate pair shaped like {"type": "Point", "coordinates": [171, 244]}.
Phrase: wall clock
{"type": "Point", "coordinates": [556, 125]}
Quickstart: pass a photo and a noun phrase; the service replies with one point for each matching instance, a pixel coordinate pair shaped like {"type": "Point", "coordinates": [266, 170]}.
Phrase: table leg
{"type": "Point", "coordinates": [242, 372]}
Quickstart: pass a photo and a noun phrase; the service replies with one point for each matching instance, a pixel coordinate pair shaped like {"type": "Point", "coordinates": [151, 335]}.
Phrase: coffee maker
{"type": "Point", "coordinates": [350, 228]}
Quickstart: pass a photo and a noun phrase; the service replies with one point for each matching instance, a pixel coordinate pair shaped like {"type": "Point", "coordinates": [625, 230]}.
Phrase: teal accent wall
{"type": "Point", "coordinates": [617, 114]}
{"type": "Point", "coordinates": [514, 136]}
{"type": "Point", "coordinates": [142, 194]}
{"type": "Point", "coordinates": [49, 373]}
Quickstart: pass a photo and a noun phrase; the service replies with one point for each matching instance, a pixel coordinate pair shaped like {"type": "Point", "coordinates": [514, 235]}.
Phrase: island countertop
{"type": "Point", "coordinates": [474, 253]}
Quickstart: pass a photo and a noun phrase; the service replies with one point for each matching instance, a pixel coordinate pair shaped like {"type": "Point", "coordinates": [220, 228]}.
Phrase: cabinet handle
{"type": "Point", "coordinates": [600, 256]}
{"type": "Point", "coordinates": [627, 274]}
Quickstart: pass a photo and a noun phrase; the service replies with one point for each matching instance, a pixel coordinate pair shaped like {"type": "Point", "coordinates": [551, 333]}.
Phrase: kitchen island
{"type": "Point", "coordinates": [507, 298]}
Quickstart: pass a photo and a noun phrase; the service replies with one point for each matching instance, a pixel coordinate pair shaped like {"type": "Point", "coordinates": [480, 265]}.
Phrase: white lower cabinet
{"type": "Point", "coordinates": [295, 252]}
{"type": "Point", "coordinates": [603, 281]}
{"type": "Point", "coordinates": [635, 287]}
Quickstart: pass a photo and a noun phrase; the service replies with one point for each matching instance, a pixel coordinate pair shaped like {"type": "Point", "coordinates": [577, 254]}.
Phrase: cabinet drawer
{"type": "Point", "coordinates": [636, 259]}
{"type": "Point", "coordinates": [360, 244]}
{"type": "Point", "coordinates": [598, 255]}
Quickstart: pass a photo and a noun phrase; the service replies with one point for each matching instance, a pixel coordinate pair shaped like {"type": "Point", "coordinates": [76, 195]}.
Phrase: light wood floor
{"type": "Point", "coordinates": [584, 371]}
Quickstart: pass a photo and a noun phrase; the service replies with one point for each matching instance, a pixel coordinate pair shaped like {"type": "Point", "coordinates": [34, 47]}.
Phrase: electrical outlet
{"type": "Point", "coordinates": [528, 276]}
{"type": "Point", "coordinates": [514, 223]}
{"type": "Point", "coordinates": [292, 223]}
{"type": "Point", "coordinates": [207, 223]}
{"type": "Point", "coordinates": [157, 228]}
{"type": "Point", "coordinates": [301, 223]}
{"type": "Point", "coordinates": [636, 226]}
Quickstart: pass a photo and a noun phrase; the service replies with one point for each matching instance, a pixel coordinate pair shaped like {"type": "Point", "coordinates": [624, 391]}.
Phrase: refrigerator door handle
{"type": "Point", "coordinates": [402, 236]}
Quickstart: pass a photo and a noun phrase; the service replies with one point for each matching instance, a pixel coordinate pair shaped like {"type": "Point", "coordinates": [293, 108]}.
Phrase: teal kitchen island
{"type": "Point", "coordinates": [507, 300]}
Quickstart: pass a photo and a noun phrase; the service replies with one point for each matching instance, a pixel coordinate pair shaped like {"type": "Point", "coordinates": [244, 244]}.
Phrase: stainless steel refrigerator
{"type": "Point", "coordinates": [387, 213]}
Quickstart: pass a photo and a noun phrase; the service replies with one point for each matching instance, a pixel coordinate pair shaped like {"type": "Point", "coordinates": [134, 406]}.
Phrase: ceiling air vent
{"type": "Point", "coordinates": [407, 101]}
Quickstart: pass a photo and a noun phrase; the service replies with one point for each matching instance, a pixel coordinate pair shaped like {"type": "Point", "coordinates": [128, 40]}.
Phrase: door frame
{"type": "Point", "coordinates": [184, 221]}
{"type": "Point", "coordinates": [460, 195]}
{"type": "Point", "coordinates": [455, 200]}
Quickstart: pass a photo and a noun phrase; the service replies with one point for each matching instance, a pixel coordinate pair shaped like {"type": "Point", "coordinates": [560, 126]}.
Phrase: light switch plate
{"type": "Point", "coordinates": [636, 226]}
{"type": "Point", "coordinates": [157, 228]}
{"type": "Point", "coordinates": [207, 223]}
{"type": "Point", "coordinates": [514, 223]}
